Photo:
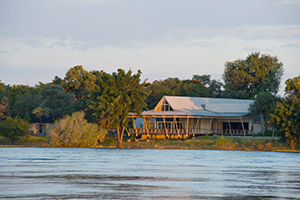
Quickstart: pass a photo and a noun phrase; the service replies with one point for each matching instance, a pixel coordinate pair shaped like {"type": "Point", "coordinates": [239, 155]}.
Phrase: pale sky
{"type": "Point", "coordinates": [163, 38]}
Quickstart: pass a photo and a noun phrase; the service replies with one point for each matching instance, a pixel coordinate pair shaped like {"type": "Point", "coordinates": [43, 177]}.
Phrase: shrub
{"type": "Point", "coordinates": [270, 133]}
{"type": "Point", "coordinates": [223, 142]}
{"type": "Point", "coordinates": [75, 131]}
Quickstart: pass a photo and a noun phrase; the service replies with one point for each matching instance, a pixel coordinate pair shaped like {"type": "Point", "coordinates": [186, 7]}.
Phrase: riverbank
{"type": "Point", "coordinates": [204, 142]}
{"type": "Point", "coordinates": [209, 143]}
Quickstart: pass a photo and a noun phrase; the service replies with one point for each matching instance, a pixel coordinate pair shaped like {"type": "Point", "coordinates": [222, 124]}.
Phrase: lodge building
{"type": "Point", "coordinates": [181, 117]}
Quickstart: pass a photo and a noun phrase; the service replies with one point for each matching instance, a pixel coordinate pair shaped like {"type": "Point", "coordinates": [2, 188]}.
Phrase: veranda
{"type": "Point", "coordinates": [177, 127]}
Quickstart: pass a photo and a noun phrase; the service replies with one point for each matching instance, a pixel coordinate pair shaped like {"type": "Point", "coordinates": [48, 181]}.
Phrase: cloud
{"type": "Point", "coordinates": [292, 45]}
{"type": "Point", "coordinates": [194, 37]}
{"type": "Point", "coordinates": [170, 38]}
{"type": "Point", "coordinates": [288, 2]}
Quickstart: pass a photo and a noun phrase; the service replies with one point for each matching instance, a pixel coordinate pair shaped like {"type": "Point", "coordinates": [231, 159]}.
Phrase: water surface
{"type": "Point", "coordinates": [79, 173]}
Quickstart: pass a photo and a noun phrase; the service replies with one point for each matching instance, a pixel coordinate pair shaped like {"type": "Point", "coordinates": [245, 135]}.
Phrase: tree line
{"type": "Point", "coordinates": [106, 99]}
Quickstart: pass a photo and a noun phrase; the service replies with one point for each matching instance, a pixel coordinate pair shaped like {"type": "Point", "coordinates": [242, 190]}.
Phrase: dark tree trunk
{"type": "Point", "coordinates": [120, 131]}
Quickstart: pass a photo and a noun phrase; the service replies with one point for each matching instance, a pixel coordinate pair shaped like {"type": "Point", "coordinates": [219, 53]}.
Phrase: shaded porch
{"type": "Point", "coordinates": [159, 127]}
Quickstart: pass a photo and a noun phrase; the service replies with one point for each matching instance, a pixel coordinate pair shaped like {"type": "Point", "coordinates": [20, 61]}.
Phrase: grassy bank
{"type": "Point", "coordinates": [27, 141]}
{"type": "Point", "coordinates": [208, 142]}
{"type": "Point", "coordinates": [204, 142]}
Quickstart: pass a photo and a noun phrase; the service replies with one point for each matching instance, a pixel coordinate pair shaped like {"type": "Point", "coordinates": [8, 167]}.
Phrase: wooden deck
{"type": "Point", "coordinates": [186, 133]}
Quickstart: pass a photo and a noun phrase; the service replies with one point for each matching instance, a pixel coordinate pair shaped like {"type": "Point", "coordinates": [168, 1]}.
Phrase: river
{"type": "Point", "coordinates": [87, 173]}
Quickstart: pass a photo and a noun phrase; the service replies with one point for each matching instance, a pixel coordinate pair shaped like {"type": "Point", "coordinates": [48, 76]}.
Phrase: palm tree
{"type": "Point", "coordinates": [115, 96]}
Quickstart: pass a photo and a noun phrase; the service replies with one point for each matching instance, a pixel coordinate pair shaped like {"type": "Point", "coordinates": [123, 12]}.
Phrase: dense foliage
{"type": "Point", "coordinates": [53, 101]}
{"type": "Point", "coordinates": [258, 73]}
{"type": "Point", "coordinates": [13, 128]}
{"type": "Point", "coordinates": [115, 96]}
{"type": "Point", "coordinates": [264, 105]}
{"type": "Point", "coordinates": [287, 112]}
{"type": "Point", "coordinates": [198, 86]}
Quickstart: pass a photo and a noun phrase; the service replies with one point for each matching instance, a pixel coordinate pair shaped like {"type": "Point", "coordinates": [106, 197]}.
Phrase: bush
{"type": "Point", "coordinates": [270, 133]}
{"type": "Point", "coordinates": [223, 142]}
{"type": "Point", "coordinates": [75, 131]}
{"type": "Point", "coordinates": [110, 140]}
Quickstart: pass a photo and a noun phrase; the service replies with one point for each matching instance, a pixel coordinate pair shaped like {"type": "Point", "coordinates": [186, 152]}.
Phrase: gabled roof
{"type": "Point", "coordinates": [179, 105]}
{"type": "Point", "coordinates": [211, 104]}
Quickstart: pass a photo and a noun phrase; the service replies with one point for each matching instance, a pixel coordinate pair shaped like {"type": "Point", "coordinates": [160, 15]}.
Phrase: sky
{"type": "Point", "coordinates": [163, 38]}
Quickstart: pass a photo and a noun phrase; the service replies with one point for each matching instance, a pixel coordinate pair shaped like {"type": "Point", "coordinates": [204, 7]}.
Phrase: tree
{"type": "Point", "coordinates": [13, 128]}
{"type": "Point", "coordinates": [4, 107]}
{"type": "Point", "coordinates": [287, 112]}
{"type": "Point", "coordinates": [175, 87]}
{"type": "Point", "coordinates": [287, 116]}
{"type": "Point", "coordinates": [3, 90]}
{"type": "Point", "coordinates": [54, 101]}
{"type": "Point", "coordinates": [77, 81]}
{"type": "Point", "coordinates": [293, 87]}
{"type": "Point", "coordinates": [158, 89]}
{"type": "Point", "coordinates": [258, 73]}
{"type": "Point", "coordinates": [75, 131]}
{"type": "Point", "coordinates": [115, 96]}
{"type": "Point", "coordinates": [214, 87]}
{"type": "Point", "coordinates": [15, 93]}
{"type": "Point", "coordinates": [263, 105]}
{"type": "Point", "coordinates": [26, 103]}
{"type": "Point", "coordinates": [193, 88]}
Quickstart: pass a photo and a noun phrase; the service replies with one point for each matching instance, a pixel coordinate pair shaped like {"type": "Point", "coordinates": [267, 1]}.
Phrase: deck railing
{"type": "Point", "coordinates": [158, 131]}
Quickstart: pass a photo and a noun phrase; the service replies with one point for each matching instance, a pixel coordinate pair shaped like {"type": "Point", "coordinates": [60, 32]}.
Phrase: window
{"type": "Point", "coordinates": [165, 106]}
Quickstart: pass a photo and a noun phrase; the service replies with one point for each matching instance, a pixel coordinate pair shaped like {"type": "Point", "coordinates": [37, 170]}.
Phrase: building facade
{"type": "Point", "coordinates": [41, 125]}
{"type": "Point", "coordinates": [181, 117]}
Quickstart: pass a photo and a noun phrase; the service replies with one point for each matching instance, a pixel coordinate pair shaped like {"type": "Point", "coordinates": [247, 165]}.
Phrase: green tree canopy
{"type": "Point", "coordinates": [214, 87]}
{"type": "Point", "coordinates": [54, 101]}
{"type": "Point", "coordinates": [193, 88]}
{"type": "Point", "coordinates": [77, 81]}
{"type": "Point", "coordinates": [3, 90]}
{"type": "Point", "coordinates": [170, 87]}
{"type": "Point", "coordinates": [13, 128]}
{"type": "Point", "coordinates": [115, 96]}
{"type": "Point", "coordinates": [26, 103]}
{"type": "Point", "coordinates": [263, 105]}
{"type": "Point", "coordinates": [258, 73]}
{"type": "Point", "coordinates": [287, 112]}
{"type": "Point", "coordinates": [287, 117]}
{"type": "Point", "coordinates": [293, 86]}
{"type": "Point", "coordinates": [175, 87]}
{"type": "Point", "coordinates": [4, 108]}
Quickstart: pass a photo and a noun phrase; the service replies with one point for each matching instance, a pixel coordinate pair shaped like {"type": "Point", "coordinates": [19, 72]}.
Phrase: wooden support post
{"type": "Point", "coordinates": [219, 127]}
{"type": "Point", "coordinates": [210, 126]}
{"type": "Point", "coordinates": [166, 131]}
{"type": "Point", "coordinates": [146, 126]}
{"type": "Point", "coordinates": [176, 127]}
{"type": "Point", "coordinates": [197, 123]}
{"type": "Point", "coordinates": [229, 126]}
{"type": "Point", "coordinates": [243, 126]}
{"type": "Point", "coordinates": [187, 125]}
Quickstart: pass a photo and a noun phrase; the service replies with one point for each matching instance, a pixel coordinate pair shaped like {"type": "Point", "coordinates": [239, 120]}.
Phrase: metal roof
{"type": "Point", "coordinates": [198, 106]}
{"type": "Point", "coordinates": [211, 104]}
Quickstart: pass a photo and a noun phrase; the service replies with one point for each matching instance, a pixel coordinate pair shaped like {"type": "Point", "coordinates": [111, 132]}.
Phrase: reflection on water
{"type": "Point", "coordinates": [71, 173]}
